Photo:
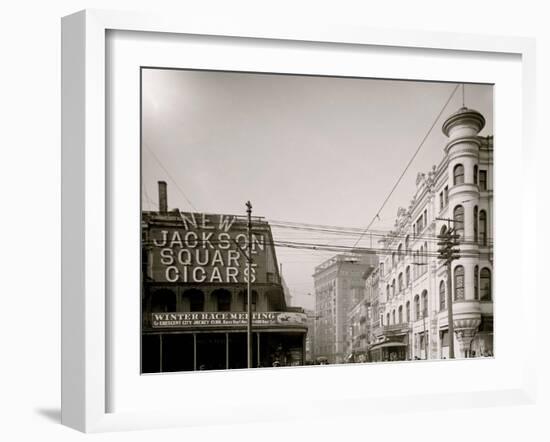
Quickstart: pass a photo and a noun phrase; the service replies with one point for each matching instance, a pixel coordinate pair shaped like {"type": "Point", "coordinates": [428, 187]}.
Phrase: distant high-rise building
{"type": "Point", "coordinates": [339, 285]}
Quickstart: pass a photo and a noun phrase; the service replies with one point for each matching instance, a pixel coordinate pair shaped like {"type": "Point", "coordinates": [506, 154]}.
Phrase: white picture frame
{"type": "Point", "coordinates": [86, 206]}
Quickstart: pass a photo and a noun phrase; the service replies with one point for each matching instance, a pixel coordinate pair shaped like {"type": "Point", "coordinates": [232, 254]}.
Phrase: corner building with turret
{"type": "Point", "coordinates": [411, 321]}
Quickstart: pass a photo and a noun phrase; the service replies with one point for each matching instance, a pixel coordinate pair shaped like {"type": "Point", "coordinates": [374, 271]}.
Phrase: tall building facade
{"type": "Point", "coordinates": [412, 320]}
{"type": "Point", "coordinates": [339, 285]}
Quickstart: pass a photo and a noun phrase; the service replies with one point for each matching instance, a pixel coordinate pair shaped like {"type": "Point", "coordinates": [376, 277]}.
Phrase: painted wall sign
{"type": "Point", "coordinates": [207, 248]}
{"type": "Point", "coordinates": [224, 319]}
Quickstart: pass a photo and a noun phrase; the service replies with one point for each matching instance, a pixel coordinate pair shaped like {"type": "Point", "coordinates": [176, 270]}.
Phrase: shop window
{"type": "Point", "coordinates": [445, 338]}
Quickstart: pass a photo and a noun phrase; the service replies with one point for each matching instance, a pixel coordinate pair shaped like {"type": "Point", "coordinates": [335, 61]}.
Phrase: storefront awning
{"type": "Point", "coordinates": [388, 344]}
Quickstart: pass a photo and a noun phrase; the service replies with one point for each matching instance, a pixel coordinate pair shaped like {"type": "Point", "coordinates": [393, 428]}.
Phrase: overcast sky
{"type": "Point", "coordinates": [318, 150]}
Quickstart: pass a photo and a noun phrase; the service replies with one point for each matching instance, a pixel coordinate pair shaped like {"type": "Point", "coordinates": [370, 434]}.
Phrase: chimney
{"type": "Point", "coordinates": [163, 198]}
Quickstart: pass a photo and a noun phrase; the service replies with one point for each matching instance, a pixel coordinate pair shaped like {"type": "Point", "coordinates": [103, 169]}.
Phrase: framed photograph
{"type": "Point", "coordinates": [309, 217]}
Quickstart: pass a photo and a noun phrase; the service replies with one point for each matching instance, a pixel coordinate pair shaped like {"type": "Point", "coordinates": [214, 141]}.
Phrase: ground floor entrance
{"type": "Point", "coordinates": [188, 351]}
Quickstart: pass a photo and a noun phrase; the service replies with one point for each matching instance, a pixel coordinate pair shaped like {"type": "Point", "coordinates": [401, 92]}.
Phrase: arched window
{"type": "Point", "coordinates": [421, 257]}
{"type": "Point", "coordinates": [400, 314]}
{"type": "Point", "coordinates": [400, 252]}
{"type": "Point", "coordinates": [483, 227]}
{"type": "Point", "coordinates": [407, 276]}
{"type": "Point", "coordinates": [393, 258]}
{"type": "Point", "coordinates": [424, 303]}
{"type": "Point", "coordinates": [485, 285]}
{"type": "Point", "coordinates": [475, 175]}
{"type": "Point", "coordinates": [387, 292]}
{"type": "Point", "coordinates": [244, 300]}
{"type": "Point", "coordinates": [388, 319]}
{"type": "Point", "coordinates": [393, 287]}
{"type": "Point", "coordinates": [407, 244]}
{"type": "Point", "coordinates": [196, 300]}
{"type": "Point", "coordinates": [442, 296]}
{"type": "Point", "coordinates": [393, 316]}
{"type": "Point", "coordinates": [400, 279]}
{"type": "Point", "coordinates": [458, 174]}
{"type": "Point", "coordinates": [163, 301]}
{"type": "Point", "coordinates": [417, 307]}
{"type": "Point", "coordinates": [476, 282]}
{"type": "Point", "coordinates": [458, 216]}
{"type": "Point", "coordinates": [223, 300]}
{"type": "Point", "coordinates": [475, 223]}
{"type": "Point", "coordinates": [459, 283]}
{"type": "Point", "coordinates": [408, 311]}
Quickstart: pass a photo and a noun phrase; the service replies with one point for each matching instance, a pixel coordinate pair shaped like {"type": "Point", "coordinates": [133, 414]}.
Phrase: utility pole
{"type": "Point", "coordinates": [248, 280]}
{"type": "Point", "coordinates": [448, 253]}
{"type": "Point", "coordinates": [424, 313]}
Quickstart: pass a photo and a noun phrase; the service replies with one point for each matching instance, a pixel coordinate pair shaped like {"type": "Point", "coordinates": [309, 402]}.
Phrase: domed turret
{"type": "Point", "coordinates": [464, 122]}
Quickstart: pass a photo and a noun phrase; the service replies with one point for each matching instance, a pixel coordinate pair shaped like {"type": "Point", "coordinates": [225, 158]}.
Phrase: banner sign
{"type": "Point", "coordinates": [206, 248]}
{"type": "Point", "coordinates": [225, 319]}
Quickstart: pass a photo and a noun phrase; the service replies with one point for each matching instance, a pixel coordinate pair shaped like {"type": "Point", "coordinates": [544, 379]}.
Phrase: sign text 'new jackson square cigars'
{"type": "Point", "coordinates": [206, 248]}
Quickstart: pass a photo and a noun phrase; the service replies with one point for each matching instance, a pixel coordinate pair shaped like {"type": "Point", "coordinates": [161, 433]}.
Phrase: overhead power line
{"type": "Point", "coordinates": [409, 163]}
{"type": "Point", "coordinates": [352, 232]}
{"type": "Point", "coordinates": [334, 248]}
{"type": "Point", "coordinates": [171, 178]}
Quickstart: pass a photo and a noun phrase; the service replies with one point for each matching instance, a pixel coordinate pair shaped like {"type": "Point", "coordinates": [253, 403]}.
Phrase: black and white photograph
{"type": "Point", "coordinates": [299, 220]}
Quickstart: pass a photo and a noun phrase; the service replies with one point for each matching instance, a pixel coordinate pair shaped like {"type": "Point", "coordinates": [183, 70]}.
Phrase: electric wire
{"type": "Point", "coordinates": [170, 176]}
{"type": "Point", "coordinates": [410, 162]}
